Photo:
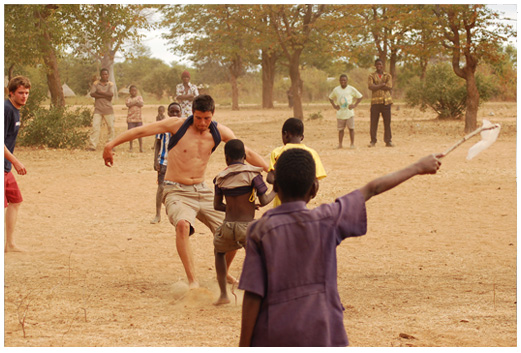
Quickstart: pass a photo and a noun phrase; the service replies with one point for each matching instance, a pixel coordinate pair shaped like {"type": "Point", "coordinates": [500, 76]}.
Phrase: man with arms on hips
{"type": "Point", "coordinates": [185, 94]}
{"type": "Point", "coordinates": [186, 196]}
{"type": "Point", "coordinates": [102, 91]}
{"type": "Point", "coordinates": [344, 99]}
{"type": "Point", "coordinates": [19, 88]}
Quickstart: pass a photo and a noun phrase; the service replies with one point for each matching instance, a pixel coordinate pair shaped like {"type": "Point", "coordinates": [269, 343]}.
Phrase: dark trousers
{"type": "Point", "coordinates": [385, 110]}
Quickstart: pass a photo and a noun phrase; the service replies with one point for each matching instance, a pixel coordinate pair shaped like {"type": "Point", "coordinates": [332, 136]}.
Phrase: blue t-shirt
{"type": "Point", "coordinates": [11, 127]}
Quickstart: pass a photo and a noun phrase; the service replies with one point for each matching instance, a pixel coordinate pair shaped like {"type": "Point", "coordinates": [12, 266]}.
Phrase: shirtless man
{"type": "Point", "coordinates": [185, 195]}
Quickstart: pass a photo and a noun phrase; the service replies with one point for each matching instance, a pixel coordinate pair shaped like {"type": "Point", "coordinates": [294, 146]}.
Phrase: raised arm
{"type": "Point", "coordinates": [158, 127]}
{"type": "Point", "coordinates": [427, 165]}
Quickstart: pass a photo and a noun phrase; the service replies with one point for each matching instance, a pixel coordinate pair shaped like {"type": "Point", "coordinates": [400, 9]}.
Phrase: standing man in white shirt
{"type": "Point", "coordinates": [345, 99]}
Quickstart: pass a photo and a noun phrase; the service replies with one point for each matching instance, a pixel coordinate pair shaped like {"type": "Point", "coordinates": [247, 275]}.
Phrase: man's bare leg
{"type": "Point", "coordinates": [352, 137]}
{"type": "Point", "coordinates": [229, 258]}
{"type": "Point", "coordinates": [11, 215]}
{"type": "Point", "coordinates": [184, 250]}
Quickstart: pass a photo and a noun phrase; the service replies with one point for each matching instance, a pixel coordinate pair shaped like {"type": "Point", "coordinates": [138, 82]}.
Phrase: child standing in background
{"type": "Point", "coordinates": [160, 152]}
{"type": "Point", "coordinates": [134, 119]}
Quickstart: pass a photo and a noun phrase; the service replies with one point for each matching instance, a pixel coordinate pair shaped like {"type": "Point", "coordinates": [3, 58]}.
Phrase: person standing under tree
{"type": "Point", "coordinates": [185, 94]}
{"type": "Point", "coordinates": [342, 98]}
{"type": "Point", "coordinates": [102, 91]}
{"type": "Point", "coordinates": [380, 83]}
{"type": "Point", "coordinates": [134, 118]}
{"type": "Point", "coordinates": [18, 87]}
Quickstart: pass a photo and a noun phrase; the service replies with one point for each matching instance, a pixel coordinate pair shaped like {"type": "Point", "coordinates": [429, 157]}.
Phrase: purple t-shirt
{"type": "Point", "coordinates": [291, 263]}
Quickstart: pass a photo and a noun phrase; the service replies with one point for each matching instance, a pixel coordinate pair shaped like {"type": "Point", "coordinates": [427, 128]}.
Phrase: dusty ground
{"type": "Point", "coordinates": [436, 268]}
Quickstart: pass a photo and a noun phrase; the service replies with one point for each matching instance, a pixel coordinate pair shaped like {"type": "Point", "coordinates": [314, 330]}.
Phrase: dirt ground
{"type": "Point", "coordinates": [436, 268]}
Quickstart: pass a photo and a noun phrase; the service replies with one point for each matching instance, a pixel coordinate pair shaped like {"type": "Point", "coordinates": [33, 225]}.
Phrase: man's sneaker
{"type": "Point", "coordinates": [371, 144]}
{"type": "Point", "coordinates": [389, 144]}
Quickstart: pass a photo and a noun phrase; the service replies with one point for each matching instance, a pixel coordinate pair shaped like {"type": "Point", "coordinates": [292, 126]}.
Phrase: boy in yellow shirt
{"type": "Point", "coordinates": [292, 136]}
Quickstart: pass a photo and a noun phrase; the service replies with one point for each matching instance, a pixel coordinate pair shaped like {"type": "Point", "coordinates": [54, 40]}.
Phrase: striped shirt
{"type": "Point", "coordinates": [163, 151]}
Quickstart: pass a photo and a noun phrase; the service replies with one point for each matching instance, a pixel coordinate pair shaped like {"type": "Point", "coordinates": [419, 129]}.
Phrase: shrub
{"type": "Point", "coordinates": [56, 128]}
{"type": "Point", "coordinates": [444, 92]}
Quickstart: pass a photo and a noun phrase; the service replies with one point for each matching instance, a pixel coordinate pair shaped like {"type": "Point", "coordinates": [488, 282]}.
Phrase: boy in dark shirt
{"type": "Point", "coordinates": [290, 270]}
{"type": "Point", "coordinates": [238, 184]}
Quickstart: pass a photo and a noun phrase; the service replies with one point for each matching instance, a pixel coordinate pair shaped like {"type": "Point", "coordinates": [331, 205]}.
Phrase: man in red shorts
{"type": "Point", "coordinates": [19, 87]}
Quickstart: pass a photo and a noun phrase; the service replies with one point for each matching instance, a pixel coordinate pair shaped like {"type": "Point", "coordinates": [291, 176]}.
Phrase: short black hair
{"type": "Point", "coordinates": [132, 86]}
{"type": "Point", "coordinates": [234, 149]}
{"type": "Point", "coordinates": [378, 60]}
{"type": "Point", "coordinates": [344, 75]}
{"type": "Point", "coordinates": [295, 172]}
{"type": "Point", "coordinates": [294, 127]}
{"type": "Point", "coordinates": [173, 103]}
{"type": "Point", "coordinates": [100, 71]}
{"type": "Point", "coordinates": [203, 103]}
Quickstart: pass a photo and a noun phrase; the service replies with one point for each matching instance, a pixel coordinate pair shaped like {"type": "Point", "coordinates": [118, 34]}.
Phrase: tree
{"type": "Point", "coordinates": [35, 34]}
{"type": "Point", "coordinates": [212, 34]}
{"type": "Point", "coordinates": [102, 30]}
{"type": "Point", "coordinates": [469, 34]}
{"type": "Point", "coordinates": [294, 27]}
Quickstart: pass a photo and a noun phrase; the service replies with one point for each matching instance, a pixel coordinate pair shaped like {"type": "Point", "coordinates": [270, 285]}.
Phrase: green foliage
{"type": "Point", "coordinates": [444, 92]}
{"type": "Point", "coordinates": [56, 127]}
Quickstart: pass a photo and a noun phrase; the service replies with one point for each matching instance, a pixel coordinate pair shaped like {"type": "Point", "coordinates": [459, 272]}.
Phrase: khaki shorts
{"type": "Point", "coordinates": [341, 124]}
{"type": "Point", "coordinates": [230, 236]}
{"type": "Point", "coordinates": [188, 202]}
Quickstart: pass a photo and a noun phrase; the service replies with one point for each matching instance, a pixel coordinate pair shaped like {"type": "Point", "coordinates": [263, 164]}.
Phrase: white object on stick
{"type": "Point", "coordinates": [489, 133]}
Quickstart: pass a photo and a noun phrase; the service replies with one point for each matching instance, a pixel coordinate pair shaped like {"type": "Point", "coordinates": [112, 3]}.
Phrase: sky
{"type": "Point", "coordinates": [159, 46]}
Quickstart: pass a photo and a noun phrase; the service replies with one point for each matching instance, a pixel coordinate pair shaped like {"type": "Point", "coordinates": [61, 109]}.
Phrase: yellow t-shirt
{"type": "Point", "coordinates": [275, 154]}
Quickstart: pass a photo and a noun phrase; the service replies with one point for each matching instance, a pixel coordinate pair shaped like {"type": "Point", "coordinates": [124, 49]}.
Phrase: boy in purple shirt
{"type": "Point", "coordinates": [238, 184]}
{"type": "Point", "coordinates": [290, 270]}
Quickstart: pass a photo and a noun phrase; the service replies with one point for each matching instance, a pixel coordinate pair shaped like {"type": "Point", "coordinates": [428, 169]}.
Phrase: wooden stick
{"type": "Point", "coordinates": [472, 134]}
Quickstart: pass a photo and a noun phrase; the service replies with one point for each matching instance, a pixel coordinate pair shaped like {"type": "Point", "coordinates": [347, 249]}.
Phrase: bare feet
{"type": "Point", "coordinates": [156, 220]}
{"type": "Point", "coordinates": [193, 285]}
{"type": "Point", "coordinates": [222, 301]}
{"type": "Point", "coordinates": [339, 147]}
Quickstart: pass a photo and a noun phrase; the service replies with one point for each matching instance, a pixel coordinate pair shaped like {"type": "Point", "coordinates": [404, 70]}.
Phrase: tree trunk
{"type": "Point", "coordinates": [107, 62]}
{"type": "Point", "coordinates": [53, 79]}
{"type": "Point", "coordinates": [296, 86]}
{"type": "Point", "coordinates": [392, 67]}
{"type": "Point", "coordinates": [235, 91]}
{"type": "Point", "coordinates": [268, 78]}
{"type": "Point", "coordinates": [235, 72]}
{"type": "Point", "coordinates": [49, 58]}
{"type": "Point", "coordinates": [471, 113]}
